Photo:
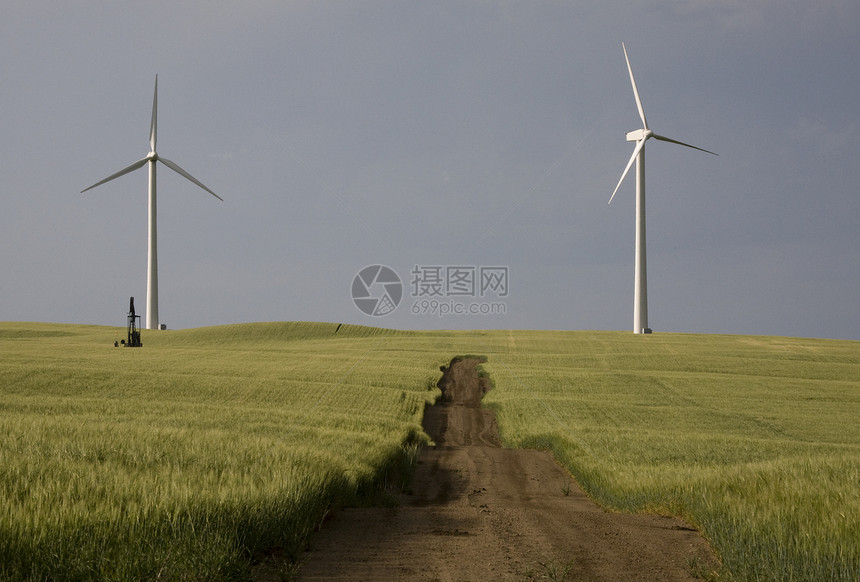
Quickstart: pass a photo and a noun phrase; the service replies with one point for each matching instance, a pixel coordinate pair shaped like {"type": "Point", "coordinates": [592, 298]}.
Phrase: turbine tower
{"type": "Point", "coordinates": [152, 249]}
{"type": "Point", "coordinates": [640, 136]}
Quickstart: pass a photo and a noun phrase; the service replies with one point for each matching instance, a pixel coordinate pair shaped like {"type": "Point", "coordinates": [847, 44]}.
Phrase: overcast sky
{"type": "Point", "coordinates": [434, 134]}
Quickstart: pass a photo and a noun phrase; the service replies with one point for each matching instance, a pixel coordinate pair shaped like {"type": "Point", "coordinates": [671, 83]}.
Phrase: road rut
{"type": "Point", "coordinates": [477, 511]}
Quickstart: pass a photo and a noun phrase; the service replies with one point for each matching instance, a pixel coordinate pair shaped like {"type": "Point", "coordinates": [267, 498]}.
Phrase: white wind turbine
{"type": "Point", "coordinates": [152, 253]}
{"type": "Point", "coordinates": [640, 136]}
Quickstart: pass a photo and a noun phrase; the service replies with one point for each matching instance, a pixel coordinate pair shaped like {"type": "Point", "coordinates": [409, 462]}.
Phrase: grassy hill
{"type": "Point", "coordinates": [187, 457]}
{"type": "Point", "coordinates": [191, 456]}
{"type": "Point", "coordinates": [755, 440]}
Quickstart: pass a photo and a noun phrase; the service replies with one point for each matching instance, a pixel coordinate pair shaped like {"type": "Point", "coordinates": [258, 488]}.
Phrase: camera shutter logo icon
{"type": "Point", "coordinates": [377, 290]}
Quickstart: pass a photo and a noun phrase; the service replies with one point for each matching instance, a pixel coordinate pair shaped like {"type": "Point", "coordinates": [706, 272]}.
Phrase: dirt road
{"type": "Point", "coordinates": [479, 512]}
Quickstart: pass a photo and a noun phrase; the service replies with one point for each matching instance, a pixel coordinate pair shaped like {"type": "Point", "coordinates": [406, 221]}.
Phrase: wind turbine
{"type": "Point", "coordinates": [640, 136]}
{"type": "Point", "coordinates": [152, 253]}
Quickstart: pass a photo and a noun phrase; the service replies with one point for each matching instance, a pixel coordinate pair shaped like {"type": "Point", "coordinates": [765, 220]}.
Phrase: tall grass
{"type": "Point", "coordinates": [192, 456]}
{"type": "Point", "coordinates": [189, 457]}
{"type": "Point", "coordinates": [754, 440]}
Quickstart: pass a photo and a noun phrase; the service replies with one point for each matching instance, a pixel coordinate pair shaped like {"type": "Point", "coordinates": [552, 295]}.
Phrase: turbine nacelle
{"type": "Point", "coordinates": [639, 134]}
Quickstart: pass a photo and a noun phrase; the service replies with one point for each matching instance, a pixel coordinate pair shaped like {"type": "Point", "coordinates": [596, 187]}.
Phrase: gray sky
{"type": "Point", "coordinates": [462, 133]}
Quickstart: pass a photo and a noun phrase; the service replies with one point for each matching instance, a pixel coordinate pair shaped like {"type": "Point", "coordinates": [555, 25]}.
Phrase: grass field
{"type": "Point", "coordinates": [189, 457]}
{"type": "Point", "coordinates": [755, 440]}
{"type": "Point", "coordinates": [186, 458]}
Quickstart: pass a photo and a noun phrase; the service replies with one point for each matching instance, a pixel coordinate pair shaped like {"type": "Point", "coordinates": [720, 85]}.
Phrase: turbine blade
{"type": "Point", "coordinates": [154, 124]}
{"type": "Point", "coordinates": [639, 145]}
{"type": "Point", "coordinates": [173, 166]}
{"type": "Point", "coordinates": [123, 172]}
{"type": "Point", "coordinates": [662, 138]}
{"type": "Point", "coordinates": [635, 89]}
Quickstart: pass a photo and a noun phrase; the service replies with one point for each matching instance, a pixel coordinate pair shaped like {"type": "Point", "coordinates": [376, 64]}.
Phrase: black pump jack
{"type": "Point", "coordinates": [133, 323]}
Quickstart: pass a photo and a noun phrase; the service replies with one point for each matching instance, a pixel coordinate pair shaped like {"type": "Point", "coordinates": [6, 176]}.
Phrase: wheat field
{"type": "Point", "coordinates": [196, 456]}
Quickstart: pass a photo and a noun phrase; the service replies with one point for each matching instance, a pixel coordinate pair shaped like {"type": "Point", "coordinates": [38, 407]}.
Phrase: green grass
{"type": "Point", "coordinates": [755, 440]}
{"type": "Point", "coordinates": [193, 456]}
{"type": "Point", "coordinates": [188, 457]}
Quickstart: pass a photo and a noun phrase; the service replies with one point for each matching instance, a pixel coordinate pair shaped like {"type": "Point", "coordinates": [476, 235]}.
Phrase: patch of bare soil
{"type": "Point", "coordinates": [477, 511]}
